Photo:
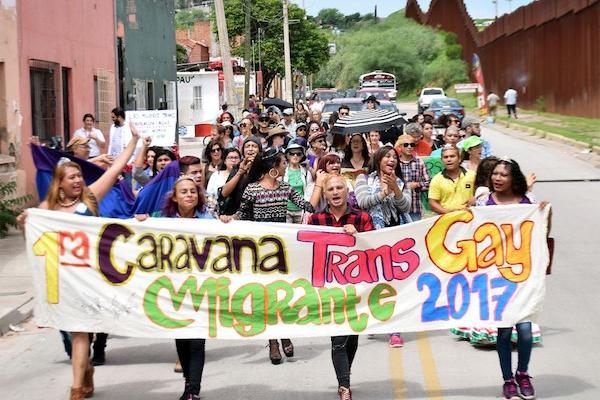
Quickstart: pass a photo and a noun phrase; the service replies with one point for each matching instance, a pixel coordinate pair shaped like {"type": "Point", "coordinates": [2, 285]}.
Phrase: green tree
{"type": "Point", "coordinates": [308, 43]}
{"type": "Point", "coordinates": [414, 53]}
{"type": "Point", "coordinates": [331, 17]}
{"type": "Point", "coordinates": [182, 56]}
{"type": "Point", "coordinates": [185, 19]}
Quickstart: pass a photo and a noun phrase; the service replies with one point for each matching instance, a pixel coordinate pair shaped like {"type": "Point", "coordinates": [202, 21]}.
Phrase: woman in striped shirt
{"type": "Point", "coordinates": [265, 199]}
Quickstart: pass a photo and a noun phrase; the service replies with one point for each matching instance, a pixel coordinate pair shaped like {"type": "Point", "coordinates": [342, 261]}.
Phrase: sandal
{"type": "Point", "coordinates": [274, 353]}
{"type": "Point", "coordinates": [288, 347]}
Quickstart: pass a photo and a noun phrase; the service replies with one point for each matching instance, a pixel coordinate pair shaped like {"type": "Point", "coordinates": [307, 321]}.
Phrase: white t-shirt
{"type": "Point", "coordinates": [492, 99]}
{"type": "Point", "coordinates": [94, 148]}
{"type": "Point", "coordinates": [119, 138]}
{"type": "Point", "coordinates": [510, 97]}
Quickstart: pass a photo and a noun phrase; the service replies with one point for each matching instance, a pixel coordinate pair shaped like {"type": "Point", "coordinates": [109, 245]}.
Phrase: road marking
{"type": "Point", "coordinates": [397, 374]}
{"type": "Point", "coordinates": [430, 376]}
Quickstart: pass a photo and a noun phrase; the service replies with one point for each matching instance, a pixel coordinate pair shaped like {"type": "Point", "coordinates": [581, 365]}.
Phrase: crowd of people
{"type": "Point", "coordinates": [287, 166]}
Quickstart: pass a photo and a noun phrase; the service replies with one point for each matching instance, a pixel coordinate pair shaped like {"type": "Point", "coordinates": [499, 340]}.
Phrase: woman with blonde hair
{"type": "Point", "coordinates": [69, 193]}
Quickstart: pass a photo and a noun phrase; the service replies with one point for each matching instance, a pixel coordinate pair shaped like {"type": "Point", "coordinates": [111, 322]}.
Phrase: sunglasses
{"type": "Point", "coordinates": [295, 153]}
{"type": "Point", "coordinates": [408, 144]}
{"type": "Point", "coordinates": [215, 150]}
{"type": "Point", "coordinates": [263, 120]}
{"type": "Point", "coordinates": [343, 113]}
{"type": "Point", "coordinates": [243, 125]}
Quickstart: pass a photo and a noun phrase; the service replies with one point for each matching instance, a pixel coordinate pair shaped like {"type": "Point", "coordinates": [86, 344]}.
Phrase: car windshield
{"type": "Point", "coordinates": [327, 95]}
{"type": "Point", "coordinates": [445, 103]}
{"type": "Point", "coordinates": [384, 106]}
{"type": "Point", "coordinates": [378, 95]}
{"type": "Point", "coordinates": [430, 92]}
{"type": "Point", "coordinates": [331, 107]}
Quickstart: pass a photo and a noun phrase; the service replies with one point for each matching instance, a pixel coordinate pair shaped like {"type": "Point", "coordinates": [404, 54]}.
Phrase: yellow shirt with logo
{"type": "Point", "coordinates": [452, 194]}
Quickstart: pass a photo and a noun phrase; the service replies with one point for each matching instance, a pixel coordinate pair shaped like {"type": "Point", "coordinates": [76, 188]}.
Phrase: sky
{"type": "Point", "coordinates": [476, 8]}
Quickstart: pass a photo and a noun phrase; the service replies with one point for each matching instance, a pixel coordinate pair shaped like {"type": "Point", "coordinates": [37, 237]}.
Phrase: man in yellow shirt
{"type": "Point", "coordinates": [452, 188]}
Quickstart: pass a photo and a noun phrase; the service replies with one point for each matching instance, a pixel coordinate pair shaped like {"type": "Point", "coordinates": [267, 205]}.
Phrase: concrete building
{"type": "Point", "coordinates": [57, 62]}
{"type": "Point", "coordinates": [146, 54]}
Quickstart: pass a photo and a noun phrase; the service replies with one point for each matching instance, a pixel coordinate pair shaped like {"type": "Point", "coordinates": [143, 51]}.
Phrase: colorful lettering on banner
{"type": "Point", "coordinates": [252, 280]}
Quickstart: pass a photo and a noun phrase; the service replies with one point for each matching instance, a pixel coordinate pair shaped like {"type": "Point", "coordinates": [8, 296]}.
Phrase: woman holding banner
{"type": "Point", "coordinates": [265, 199]}
{"type": "Point", "coordinates": [384, 195]}
{"type": "Point", "coordinates": [508, 185]}
{"type": "Point", "coordinates": [339, 214]}
{"type": "Point", "coordinates": [186, 200]}
{"type": "Point", "coordinates": [69, 193]}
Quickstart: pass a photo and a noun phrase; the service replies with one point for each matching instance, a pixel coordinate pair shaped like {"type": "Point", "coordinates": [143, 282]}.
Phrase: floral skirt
{"type": "Point", "coordinates": [487, 336]}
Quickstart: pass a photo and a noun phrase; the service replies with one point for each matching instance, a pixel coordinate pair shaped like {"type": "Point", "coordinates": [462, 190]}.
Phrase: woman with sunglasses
{"type": "Point", "coordinates": [247, 129]}
{"type": "Point", "coordinates": [265, 199]}
{"type": "Point", "coordinates": [317, 141]}
{"type": "Point", "coordinates": [414, 172]}
{"type": "Point", "coordinates": [385, 196]}
{"type": "Point", "coordinates": [298, 177]}
{"type": "Point", "coordinates": [213, 158]}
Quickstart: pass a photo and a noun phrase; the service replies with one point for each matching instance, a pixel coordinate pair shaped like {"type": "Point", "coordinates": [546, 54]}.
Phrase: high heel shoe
{"type": "Point", "coordinates": [288, 347]}
{"type": "Point", "coordinates": [274, 353]}
{"type": "Point", "coordinates": [88, 381]}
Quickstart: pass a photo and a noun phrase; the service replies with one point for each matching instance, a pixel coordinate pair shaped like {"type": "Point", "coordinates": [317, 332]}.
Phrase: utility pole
{"type": "Point", "coordinates": [226, 57]}
{"type": "Point", "coordinates": [496, 5]}
{"type": "Point", "coordinates": [286, 49]}
{"type": "Point", "coordinates": [247, 55]}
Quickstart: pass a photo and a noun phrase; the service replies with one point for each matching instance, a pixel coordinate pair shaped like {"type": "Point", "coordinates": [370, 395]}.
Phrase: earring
{"type": "Point", "coordinates": [276, 173]}
{"type": "Point", "coordinates": [61, 194]}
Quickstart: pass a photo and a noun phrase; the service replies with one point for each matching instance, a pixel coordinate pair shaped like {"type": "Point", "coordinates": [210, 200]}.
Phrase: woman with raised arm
{"type": "Point", "coordinates": [69, 193]}
{"type": "Point", "coordinates": [265, 199]}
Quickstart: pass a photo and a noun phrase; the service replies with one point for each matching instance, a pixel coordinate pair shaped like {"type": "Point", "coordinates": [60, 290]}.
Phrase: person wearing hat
{"type": "Point", "coordinates": [471, 152]}
{"type": "Point", "coordinates": [264, 125]}
{"type": "Point", "coordinates": [301, 131]}
{"type": "Point", "coordinates": [317, 141]}
{"type": "Point", "coordinates": [80, 147]}
{"type": "Point", "coordinates": [371, 102]}
{"type": "Point", "coordinates": [277, 137]}
{"type": "Point", "coordinates": [288, 120]}
{"type": "Point", "coordinates": [274, 116]}
{"type": "Point", "coordinates": [472, 127]}
{"type": "Point", "coordinates": [298, 177]}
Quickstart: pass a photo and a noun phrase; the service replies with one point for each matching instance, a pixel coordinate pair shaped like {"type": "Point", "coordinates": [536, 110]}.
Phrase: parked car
{"type": "Point", "coordinates": [427, 95]}
{"type": "Point", "coordinates": [446, 106]}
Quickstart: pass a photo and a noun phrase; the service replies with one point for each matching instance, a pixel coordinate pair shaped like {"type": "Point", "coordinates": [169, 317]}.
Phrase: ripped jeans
{"type": "Point", "coordinates": [343, 350]}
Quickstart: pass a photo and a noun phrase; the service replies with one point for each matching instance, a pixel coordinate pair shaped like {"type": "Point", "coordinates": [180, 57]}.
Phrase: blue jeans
{"type": "Point", "coordinates": [524, 346]}
{"type": "Point", "coordinates": [415, 216]}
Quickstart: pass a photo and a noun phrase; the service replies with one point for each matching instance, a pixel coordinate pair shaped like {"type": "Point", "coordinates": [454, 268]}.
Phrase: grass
{"type": "Point", "coordinates": [582, 129]}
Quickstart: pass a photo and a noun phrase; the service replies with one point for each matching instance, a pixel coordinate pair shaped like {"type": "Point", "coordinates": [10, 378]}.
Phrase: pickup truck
{"type": "Point", "coordinates": [428, 94]}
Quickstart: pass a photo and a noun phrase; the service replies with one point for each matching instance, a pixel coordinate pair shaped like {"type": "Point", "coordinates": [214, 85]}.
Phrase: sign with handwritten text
{"type": "Point", "coordinates": [160, 125]}
{"type": "Point", "coordinates": [189, 278]}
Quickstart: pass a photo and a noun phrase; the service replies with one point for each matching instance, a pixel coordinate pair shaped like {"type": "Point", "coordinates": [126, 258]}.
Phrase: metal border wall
{"type": "Point", "coordinates": [546, 50]}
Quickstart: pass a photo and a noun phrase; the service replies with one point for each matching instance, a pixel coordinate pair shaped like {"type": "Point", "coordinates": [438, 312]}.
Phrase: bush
{"type": "Point", "coordinates": [10, 208]}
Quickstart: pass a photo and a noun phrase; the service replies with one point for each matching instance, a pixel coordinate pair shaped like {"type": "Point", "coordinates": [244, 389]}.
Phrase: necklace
{"type": "Point", "coordinates": [70, 204]}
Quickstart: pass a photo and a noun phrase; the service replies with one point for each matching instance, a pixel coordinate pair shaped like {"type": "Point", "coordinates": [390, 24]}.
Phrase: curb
{"type": "Point", "coordinates": [17, 315]}
{"type": "Point", "coordinates": [550, 136]}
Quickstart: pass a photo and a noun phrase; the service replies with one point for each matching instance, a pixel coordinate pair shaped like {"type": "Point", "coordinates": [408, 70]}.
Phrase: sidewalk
{"type": "Point", "coordinates": [16, 290]}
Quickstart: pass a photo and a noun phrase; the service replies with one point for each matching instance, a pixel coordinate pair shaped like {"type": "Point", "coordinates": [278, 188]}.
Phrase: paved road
{"type": "Point", "coordinates": [432, 365]}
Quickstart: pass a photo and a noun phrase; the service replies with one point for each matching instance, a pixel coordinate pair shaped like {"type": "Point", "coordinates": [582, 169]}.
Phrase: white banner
{"type": "Point", "coordinates": [188, 278]}
{"type": "Point", "coordinates": [160, 125]}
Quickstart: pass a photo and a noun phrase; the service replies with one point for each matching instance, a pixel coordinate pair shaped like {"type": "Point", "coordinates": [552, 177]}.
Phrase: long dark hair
{"type": "Point", "coordinates": [170, 209]}
{"type": "Point", "coordinates": [208, 149]}
{"type": "Point", "coordinates": [161, 152]}
{"type": "Point", "coordinates": [519, 182]}
{"type": "Point", "coordinates": [364, 152]}
{"type": "Point", "coordinates": [270, 158]}
{"type": "Point", "coordinates": [378, 156]}
{"type": "Point", "coordinates": [484, 171]}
